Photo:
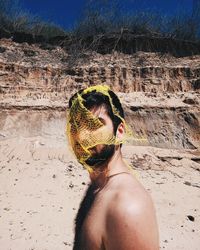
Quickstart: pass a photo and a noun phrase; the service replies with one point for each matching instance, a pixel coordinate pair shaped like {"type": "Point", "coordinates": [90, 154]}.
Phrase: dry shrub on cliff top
{"type": "Point", "coordinates": [107, 26]}
{"type": "Point", "coordinates": [14, 21]}
{"type": "Point", "coordinates": [106, 16]}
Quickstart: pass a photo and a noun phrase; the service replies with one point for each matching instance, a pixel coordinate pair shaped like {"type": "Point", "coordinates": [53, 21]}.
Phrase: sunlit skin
{"type": "Point", "coordinates": [122, 216]}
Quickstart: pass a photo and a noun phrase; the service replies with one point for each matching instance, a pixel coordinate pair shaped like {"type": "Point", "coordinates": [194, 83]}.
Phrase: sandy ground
{"type": "Point", "coordinates": [41, 186]}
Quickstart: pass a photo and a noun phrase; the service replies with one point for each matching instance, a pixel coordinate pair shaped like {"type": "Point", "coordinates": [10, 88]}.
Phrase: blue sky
{"type": "Point", "coordinates": [66, 12]}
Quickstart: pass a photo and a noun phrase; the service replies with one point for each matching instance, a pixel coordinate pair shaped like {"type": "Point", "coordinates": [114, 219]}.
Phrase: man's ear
{"type": "Point", "coordinates": [120, 131]}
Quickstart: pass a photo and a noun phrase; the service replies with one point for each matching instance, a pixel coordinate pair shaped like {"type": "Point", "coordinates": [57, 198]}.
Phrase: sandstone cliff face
{"type": "Point", "coordinates": [19, 78]}
{"type": "Point", "coordinates": [24, 67]}
{"type": "Point", "coordinates": [160, 94]}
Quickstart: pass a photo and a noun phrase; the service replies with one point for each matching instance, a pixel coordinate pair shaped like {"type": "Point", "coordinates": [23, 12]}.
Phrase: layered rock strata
{"type": "Point", "coordinates": [160, 94]}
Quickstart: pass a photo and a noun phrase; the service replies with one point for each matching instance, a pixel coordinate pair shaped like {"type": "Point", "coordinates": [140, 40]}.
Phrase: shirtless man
{"type": "Point", "coordinates": [116, 212]}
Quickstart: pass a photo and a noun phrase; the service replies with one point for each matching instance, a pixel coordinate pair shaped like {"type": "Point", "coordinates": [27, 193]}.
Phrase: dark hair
{"type": "Point", "coordinates": [95, 98]}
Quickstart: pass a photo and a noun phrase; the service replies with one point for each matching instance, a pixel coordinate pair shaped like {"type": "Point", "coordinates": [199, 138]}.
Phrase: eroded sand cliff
{"type": "Point", "coordinates": [41, 183]}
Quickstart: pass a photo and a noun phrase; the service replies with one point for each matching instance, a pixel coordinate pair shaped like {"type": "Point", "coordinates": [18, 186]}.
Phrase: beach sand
{"type": "Point", "coordinates": [41, 186]}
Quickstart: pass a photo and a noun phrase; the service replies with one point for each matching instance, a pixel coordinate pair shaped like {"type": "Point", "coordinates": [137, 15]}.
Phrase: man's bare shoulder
{"type": "Point", "coordinates": [126, 188]}
{"type": "Point", "coordinates": [131, 217]}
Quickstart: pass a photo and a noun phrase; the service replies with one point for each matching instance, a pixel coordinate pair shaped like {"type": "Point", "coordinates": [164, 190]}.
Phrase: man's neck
{"type": "Point", "coordinates": [115, 166]}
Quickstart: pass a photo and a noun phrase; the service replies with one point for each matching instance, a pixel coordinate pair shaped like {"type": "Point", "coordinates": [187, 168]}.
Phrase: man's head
{"type": "Point", "coordinates": [96, 125]}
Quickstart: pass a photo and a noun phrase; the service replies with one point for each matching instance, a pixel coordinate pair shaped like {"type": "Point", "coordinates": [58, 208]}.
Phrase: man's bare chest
{"type": "Point", "coordinates": [93, 227]}
{"type": "Point", "coordinates": [89, 222]}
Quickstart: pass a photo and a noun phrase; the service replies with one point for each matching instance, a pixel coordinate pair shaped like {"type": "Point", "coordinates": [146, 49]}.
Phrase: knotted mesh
{"type": "Point", "coordinates": [85, 130]}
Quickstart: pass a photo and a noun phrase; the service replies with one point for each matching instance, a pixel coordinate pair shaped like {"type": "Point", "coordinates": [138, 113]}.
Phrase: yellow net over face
{"type": "Point", "coordinates": [85, 130]}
